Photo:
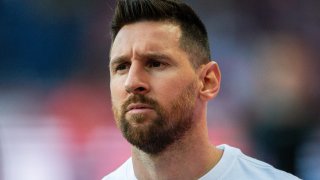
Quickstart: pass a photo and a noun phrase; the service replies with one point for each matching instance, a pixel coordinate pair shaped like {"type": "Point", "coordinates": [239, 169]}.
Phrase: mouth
{"type": "Point", "coordinates": [138, 106]}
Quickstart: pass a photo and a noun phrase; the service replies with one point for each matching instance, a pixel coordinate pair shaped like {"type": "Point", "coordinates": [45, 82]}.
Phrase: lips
{"type": "Point", "coordinates": [138, 106]}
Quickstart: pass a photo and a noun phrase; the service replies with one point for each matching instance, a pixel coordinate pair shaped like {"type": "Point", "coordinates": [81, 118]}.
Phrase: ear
{"type": "Point", "coordinates": [210, 78]}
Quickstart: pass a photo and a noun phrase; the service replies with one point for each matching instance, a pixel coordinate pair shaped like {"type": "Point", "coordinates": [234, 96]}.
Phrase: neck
{"type": "Point", "coordinates": [190, 158]}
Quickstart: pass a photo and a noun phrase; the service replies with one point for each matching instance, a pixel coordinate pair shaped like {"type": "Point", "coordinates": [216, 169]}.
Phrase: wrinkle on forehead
{"type": "Point", "coordinates": [145, 36]}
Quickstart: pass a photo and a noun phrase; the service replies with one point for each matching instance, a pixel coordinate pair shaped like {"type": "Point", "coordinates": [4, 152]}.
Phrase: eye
{"type": "Point", "coordinates": [155, 64]}
{"type": "Point", "coordinates": [122, 67]}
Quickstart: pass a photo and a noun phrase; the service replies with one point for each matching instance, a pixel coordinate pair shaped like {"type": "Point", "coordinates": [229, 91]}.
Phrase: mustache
{"type": "Point", "coordinates": [139, 98]}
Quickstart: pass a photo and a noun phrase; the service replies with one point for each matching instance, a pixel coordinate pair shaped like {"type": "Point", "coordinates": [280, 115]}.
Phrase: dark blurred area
{"type": "Point", "coordinates": [55, 110]}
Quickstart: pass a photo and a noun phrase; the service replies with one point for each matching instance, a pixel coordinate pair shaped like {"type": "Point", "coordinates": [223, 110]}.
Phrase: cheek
{"type": "Point", "coordinates": [167, 91]}
{"type": "Point", "coordinates": [117, 93]}
{"type": "Point", "coordinates": [116, 99]}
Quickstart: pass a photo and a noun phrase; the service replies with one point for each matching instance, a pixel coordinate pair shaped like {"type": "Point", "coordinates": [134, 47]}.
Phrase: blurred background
{"type": "Point", "coordinates": [55, 112]}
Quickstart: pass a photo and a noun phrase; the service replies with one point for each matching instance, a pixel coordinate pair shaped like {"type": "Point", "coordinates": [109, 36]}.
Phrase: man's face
{"type": "Point", "coordinates": [153, 85]}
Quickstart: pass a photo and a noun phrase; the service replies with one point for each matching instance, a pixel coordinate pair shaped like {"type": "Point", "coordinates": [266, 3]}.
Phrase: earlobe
{"type": "Point", "coordinates": [210, 78]}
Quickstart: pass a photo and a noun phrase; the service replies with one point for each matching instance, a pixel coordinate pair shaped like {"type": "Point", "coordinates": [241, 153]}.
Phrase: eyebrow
{"type": "Point", "coordinates": [117, 60]}
{"type": "Point", "coordinates": [155, 55]}
{"type": "Point", "coordinates": [148, 55]}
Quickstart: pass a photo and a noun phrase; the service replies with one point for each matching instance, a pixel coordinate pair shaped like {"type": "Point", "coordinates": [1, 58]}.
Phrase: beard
{"type": "Point", "coordinates": [167, 127]}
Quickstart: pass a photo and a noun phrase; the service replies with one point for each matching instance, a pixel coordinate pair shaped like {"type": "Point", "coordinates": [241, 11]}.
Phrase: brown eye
{"type": "Point", "coordinates": [122, 67]}
{"type": "Point", "coordinates": [155, 64]}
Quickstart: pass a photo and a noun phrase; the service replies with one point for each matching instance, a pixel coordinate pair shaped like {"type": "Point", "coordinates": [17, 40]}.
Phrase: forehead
{"type": "Point", "coordinates": [146, 36]}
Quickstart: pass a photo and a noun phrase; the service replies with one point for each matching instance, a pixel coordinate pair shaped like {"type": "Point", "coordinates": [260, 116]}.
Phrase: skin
{"type": "Point", "coordinates": [146, 59]}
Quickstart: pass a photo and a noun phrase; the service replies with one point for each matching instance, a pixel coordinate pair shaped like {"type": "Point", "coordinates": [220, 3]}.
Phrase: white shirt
{"type": "Point", "coordinates": [232, 165]}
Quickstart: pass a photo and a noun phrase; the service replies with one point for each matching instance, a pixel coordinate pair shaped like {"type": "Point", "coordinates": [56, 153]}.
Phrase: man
{"type": "Point", "coordinates": [161, 81]}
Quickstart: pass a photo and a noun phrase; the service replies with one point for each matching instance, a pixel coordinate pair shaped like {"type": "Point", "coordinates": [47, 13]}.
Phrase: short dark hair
{"type": "Point", "coordinates": [194, 38]}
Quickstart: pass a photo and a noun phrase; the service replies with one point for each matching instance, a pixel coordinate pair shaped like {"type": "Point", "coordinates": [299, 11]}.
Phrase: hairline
{"type": "Point", "coordinates": [183, 37]}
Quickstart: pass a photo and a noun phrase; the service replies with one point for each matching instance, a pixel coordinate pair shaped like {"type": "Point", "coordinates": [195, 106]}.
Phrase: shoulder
{"type": "Point", "coordinates": [236, 165]}
{"type": "Point", "coordinates": [261, 169]}
{"type": "Point", "coordinates": [121, 173]}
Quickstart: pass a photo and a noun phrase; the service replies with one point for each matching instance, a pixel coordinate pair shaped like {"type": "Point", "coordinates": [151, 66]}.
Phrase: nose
{"type": "Point", "coordinates": [137, 82]}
